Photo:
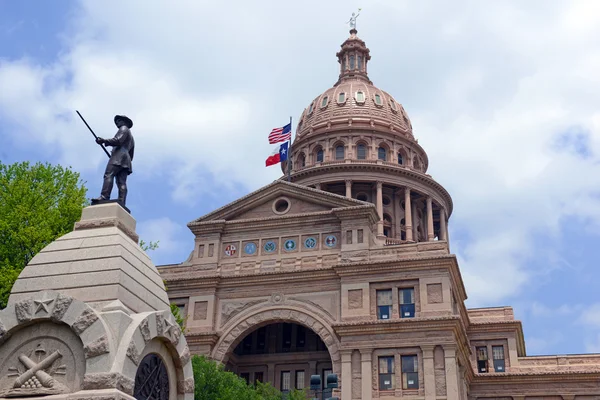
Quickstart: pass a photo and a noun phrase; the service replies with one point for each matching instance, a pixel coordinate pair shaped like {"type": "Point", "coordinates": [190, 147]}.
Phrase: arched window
{"type": "Point", "coordinates": [319, 154]}
{"type": "Point", "coordinates": [361, 152]}
{"type": "Point", "coordinates": [301, 160]}
{"type": "Point", "coordinates": [352, 62]}
{"type": "Point", "coordinates": [378, 99]}
{"type": "Point", "coordinates": [339, 152]}
{"type": "Point", "coordinates": [393, 105]}
{"type": "Point", "coordinates": [359, 65]}
{"type": "Point", "coordinates": [342, 98]}
{"type": "Point", "coordinates": [324, 101]}
{"type": "Point", "coordinates": [382, 153]}
{"type": "Point", "coordinates": [400, 159]}
{"type": "Point", "coordinates": [387, 225]}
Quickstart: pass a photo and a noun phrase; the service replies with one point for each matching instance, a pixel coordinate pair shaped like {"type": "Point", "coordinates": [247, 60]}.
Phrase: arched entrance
{"type": "Point", "coordinates": [283, 346]}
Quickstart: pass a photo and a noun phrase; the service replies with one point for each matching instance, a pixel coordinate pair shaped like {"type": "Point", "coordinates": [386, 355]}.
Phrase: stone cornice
{"type": "Point", "coordinates": [200, 338]}
{"type": "Point", "coordinates": [374, 166]}
{"type": "Point", "coordinates": [370, 267]}
{"type": "Point", "coordinates": [501, 327]}
{"type": "Point", "coordinates": [537, 376]}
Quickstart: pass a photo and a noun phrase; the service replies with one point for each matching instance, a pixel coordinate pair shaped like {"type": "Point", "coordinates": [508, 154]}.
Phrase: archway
{"type": "Point", "coordinates": [285, 359]}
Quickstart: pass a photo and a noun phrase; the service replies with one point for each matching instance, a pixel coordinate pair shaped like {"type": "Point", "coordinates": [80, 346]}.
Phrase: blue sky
{"type": "Point", "coordinates": [503, 96]}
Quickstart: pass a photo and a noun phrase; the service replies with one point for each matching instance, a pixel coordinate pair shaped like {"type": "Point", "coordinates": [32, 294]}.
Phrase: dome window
{"type": "Point", "coordinates": [378, 100]}
{"type": "Point", "coordinates": [393, 105]}
{"type": "Point", "coordinates": [301, 160]}
{"type": "Point", "coordinates": [362, 197]}
{"type": "Point", "coordinates": [382, 153]}
{"type": "Point", "coordinates": [360, 97]}
{"type": "Point", "coordinates": [400, 159]}
{"type": "Point", "coordinates": [339, 152]}
{"type": "Point", "coordinates": [352, 62]}
{"type": "Point", "coordinates": [361, 152]}
{"type": "Point", "coordinates": [324, 102]}
{"type": "Point", "coordinates": [312, 106]}
{"type": "Point", "coordinates": [342, 98]}
{"type": "Point", "coordinates": [319, 155]}
{"type": "Point", "coordinates": [359, 64]}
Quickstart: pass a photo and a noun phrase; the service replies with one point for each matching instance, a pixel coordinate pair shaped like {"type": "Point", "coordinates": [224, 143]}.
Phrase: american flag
{"type": "Point", "coordinates": [281, 134]}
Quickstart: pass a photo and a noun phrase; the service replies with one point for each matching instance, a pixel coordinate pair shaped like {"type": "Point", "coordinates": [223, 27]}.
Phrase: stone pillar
{"type": "Point", "coordinates": [346, 375]}
{"type": "Point", "coordinates": [443, 235]}
{"type": "Point", "coordinates": [349, 189]}
{"type": "Point", "coordinates": [367, 373]}
{"type": "Point", "coordinates": [379, 204]}
{"type": "Point", "coordinates": [397, 214]}
{"type": "Point", "coordinates": [430, 233]}
{"type": "Point", "coordinates": [318, 186]}
{"type": "Point", "coordinates": [271, 373]}
{"type": "Point", "coordinates": [408, 214]}
{"type": "Point", "coordinates": [428, 372]}
{"type": "Point", "coordinates": [415, 226]}
{"type": "Point", "coordinates": [452, 392]}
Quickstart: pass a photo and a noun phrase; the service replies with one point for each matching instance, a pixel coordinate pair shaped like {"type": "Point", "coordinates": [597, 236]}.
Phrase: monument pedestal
{"type": "Point", "coordinates": [89, 318]}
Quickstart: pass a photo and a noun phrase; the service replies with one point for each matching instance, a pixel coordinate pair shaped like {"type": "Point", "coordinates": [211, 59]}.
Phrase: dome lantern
{"type": "Point", "coordinates": [353, 58]}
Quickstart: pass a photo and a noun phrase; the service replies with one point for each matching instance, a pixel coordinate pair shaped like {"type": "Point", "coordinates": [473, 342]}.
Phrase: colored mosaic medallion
{"type": "Point", "coordinates": [310, 243]}
{"type": "Point", "coordinates": [230, 250]}
{"type": "Point", "coordinates": [250, 248]}
{"type": "Point", "coordinates": [270, 246]}
{"type": "Point", "coordinates": [330, 241]}
{"type": "Point", "coordinates": [289, 245]}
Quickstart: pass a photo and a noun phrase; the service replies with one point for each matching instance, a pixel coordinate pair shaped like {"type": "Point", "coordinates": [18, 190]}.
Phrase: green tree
{"type": "Point", "coordinates": [212, 382]}
{"type": "Point", "coordinates": [38, 204]}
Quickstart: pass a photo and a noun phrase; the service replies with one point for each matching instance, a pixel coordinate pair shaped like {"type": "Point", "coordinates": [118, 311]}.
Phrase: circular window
{"type": "Point", "coordinates": [386, 201]}
{"type": "Point", "coordinates": [281, 206]}
{"type": "Point", "coordinates": [362, 197]}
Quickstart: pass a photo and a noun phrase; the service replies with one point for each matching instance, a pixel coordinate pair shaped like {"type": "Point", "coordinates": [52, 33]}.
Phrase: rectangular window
{"type": "Point", "coordinates": [359, 66]}
{"type": "Point", "coordinates": [300, 337]}
{"type": "Point", "coordinates": [245, 376]}
{"type": "Point", "coordinates": [482, 359]}
{"type": "Point", "coordinates": [384, 304]}
{"type": "Point", "coordinates": [351, 62]}
{"type": "Point", "coordinates": [386, 373]}
{"type": "Point", "coordinates": [339, 153]}
{"type": "Point", "coordinates": [261, 339]}
{"type": "Point", "coordinates": [287, 337]}
{"type": "Point", "coordinates": [407, 302]}
{"type": "Point", "coordinates": [410, 374]}
{"type": "Point", "coordinates": [258, 377]}
{"type": "Point", "coordinates": [299, 380]}
{"type": "Point", "coordinates": [325, 373]}
{"type": "Point", "coordinates": [285, 381]}
{"type": "Point", "coordinates": [498, 355]}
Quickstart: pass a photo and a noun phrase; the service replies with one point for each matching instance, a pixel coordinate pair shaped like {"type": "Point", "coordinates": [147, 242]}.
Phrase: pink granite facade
{"type": "Point", "coordinates": [347, 268]}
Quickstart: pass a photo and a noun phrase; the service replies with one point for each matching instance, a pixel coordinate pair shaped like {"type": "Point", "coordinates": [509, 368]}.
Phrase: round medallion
{"type": "Point", "coordinates": [330, 241]}
{"type": "Point", "coordinates": [151, 379]}
{"type": "Point", "coordinates": [289, 245]}
{"type": "Point", "coordinates": [310, 243]}
{"type": "Point", "coordinates": [250, 248]}
{"type": "Point", "coordinates": [230, 250]}
{"type": "Point", "coordinates": [270, 246]}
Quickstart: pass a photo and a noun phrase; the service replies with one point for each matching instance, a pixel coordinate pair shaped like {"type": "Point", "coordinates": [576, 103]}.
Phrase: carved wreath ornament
{"type": "Point", "coordinates": [34, 373]}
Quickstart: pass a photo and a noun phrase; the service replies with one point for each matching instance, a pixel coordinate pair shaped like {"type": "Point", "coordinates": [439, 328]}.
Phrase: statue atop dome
{"type": "Point", "coordinates": [352, 20]}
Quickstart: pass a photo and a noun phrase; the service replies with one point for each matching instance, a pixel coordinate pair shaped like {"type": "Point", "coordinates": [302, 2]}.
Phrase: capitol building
{"type": "Point", "coordinates": [347, 269]}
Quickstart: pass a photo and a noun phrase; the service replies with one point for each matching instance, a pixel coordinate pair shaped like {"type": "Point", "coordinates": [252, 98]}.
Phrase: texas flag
{"type": "Point", "coordinates": [279, 155]}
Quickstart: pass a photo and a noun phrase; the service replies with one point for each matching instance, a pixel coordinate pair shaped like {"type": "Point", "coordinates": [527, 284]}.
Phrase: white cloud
{"type": "Point", "coordinates": [490, 88]}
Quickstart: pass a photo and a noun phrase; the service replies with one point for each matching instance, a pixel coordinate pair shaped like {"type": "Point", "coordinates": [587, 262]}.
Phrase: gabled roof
{"type": "Point", "coordinates": [274, 190]}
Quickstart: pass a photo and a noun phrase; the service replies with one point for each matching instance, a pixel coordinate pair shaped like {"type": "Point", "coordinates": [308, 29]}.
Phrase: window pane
{"type": "Point", "coordinates": [377, 99]}
{"type": "Point", "coordinates": [325, 373]}
{"type": "Point", "coordinates": [258, 377]}
{"type": "Point", "coordinates": [499, 365]}
{"type": "Point", "coordinates": [324, 102]}
{"type": "Point", "coordinates": [342, 98]}
{"type": "Point", "coordinates": [319, 155]}
{"type": "Point", "coordinates": [482, 366]}
{"type": "Point", "coordinates": [386, 365]}
{"type": "Point", "coordinates": [498, 352]}
{"type": "Point", "coordinates": [287, 336]}
{"type": "Point", "coordinates": [381, 153]}
{"type": "Point", "coordinates": [300, 336]}
{"type": "Point", "coordinates": [384, 297]}
{"type": "Point", "coordinates": [409, 363]}
{"type": "Point", "coordinates": [359, 65]}
{"type": "Point", "coordinates": [351, 62]}
{"type": "Point", "coordinates": [407, 310]}
{"type": "Point", "coordinates": [299, 379]}
{"type": "Point", "coordinates": [410, 380]}
{"type": "Point", "coordinates": [311, 108]}
{"type": "Point", "coordinates": [361, 151]}
{"type": "Point", "coordinates": [285, 380]}
{"type": "Point", "coordinates": [360, 96]}
{"type": "Point", "coordinates": [400, 160]}
{"type": "Point", "coordinates": [384, 312]}
{"type": "Point", "coordinates": [245, 376]}
{"type": "Point", "coordinates": [482, 353]}
{"type": "Point", "coordinates": [407, 296]}
{"type": "Point", "coordinates": [339, 153]}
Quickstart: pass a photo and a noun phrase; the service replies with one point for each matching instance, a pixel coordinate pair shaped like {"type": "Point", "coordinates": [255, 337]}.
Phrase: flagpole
{"type": "Point", "coordinates": [289, 160]}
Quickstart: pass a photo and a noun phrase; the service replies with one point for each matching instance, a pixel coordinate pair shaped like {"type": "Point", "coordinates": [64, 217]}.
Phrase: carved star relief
{"type": "Point", "coordinates": [42, 304]}
{"type": "Point", "coordinates": [168, 326]}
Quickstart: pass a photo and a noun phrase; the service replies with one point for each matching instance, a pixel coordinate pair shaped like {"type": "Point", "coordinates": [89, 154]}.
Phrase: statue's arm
{"type": "Point", "coordinates": [117, 140]}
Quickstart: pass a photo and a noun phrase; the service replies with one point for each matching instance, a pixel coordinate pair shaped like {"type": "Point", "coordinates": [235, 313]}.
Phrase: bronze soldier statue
{"type": "Point", "coordinates": [119, 164]}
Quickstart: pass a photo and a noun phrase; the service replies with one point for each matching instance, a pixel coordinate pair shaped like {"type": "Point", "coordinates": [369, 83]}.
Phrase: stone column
{"type": "Point", "coordinates": [408, 214]}
{"type": "Point", "coordinates": [379, 204]}
{"type": "Point", "coordinates": [443, 228]}
{"type": "Point", "coordinates": [428, 372]}
{"type": "Point", "coordinates": [349, 188]}
{"type": "Point", "coordinates": [452, 392]}
{"type": "Point", "coordinates": [415, 226]}
{"type": "Point", "coordinates": [430, 233]}
{"type": "Point", "coordinates": [346, 375]}
{"type": "Point", "coordinates": [397, 214]}
{"type": "Point", "coordinates": [271, 373]}
{"type": "Point", "coordinates": [367, 373]}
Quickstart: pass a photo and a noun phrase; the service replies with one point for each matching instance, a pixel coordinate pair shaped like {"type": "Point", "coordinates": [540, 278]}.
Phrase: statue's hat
{"type": "Point", "coordinates": [128, 122]}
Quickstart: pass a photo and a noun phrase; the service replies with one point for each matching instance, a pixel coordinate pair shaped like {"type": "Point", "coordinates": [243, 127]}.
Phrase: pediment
{"type": "Point", "coordinates": [270, 201]}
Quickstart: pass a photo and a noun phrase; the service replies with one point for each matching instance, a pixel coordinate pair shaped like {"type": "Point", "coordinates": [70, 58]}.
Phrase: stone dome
{"type": "Point", "coordinates": [354, 99]}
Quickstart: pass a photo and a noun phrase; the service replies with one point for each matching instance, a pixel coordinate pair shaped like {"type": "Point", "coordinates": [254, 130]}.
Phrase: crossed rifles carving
{"type": "Point", "coordinates": [38, 370]}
